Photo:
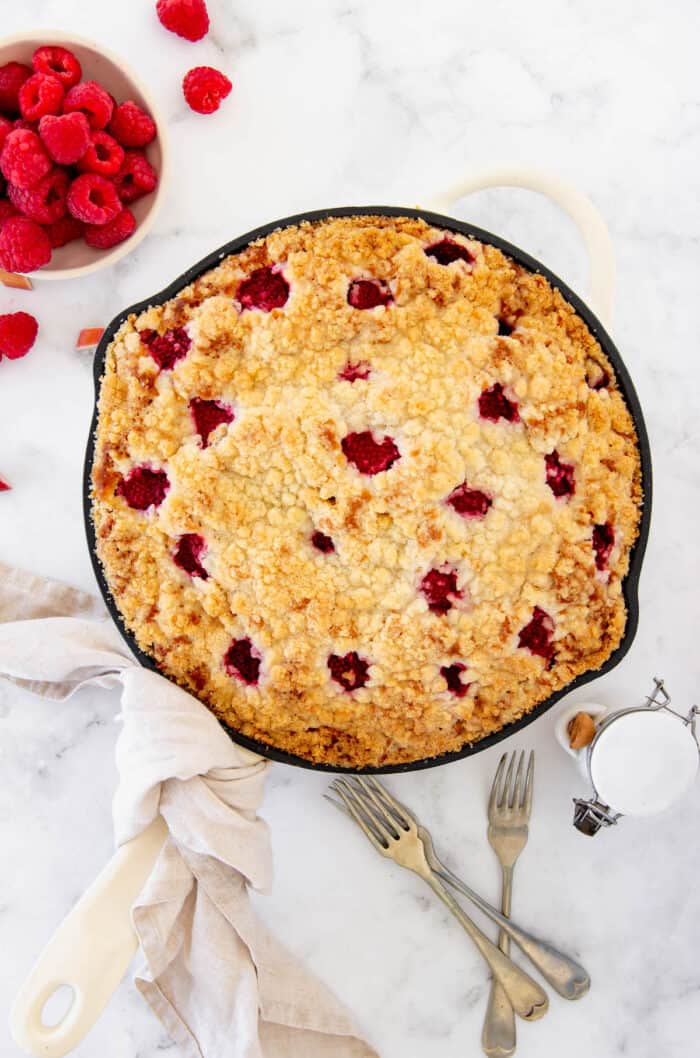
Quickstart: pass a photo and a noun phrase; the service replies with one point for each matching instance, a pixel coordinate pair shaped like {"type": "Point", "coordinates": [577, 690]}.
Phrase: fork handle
{"type": "Point", "coordinates": [528, 1000]}
{"type": "Point", "coordinates": [498, 1033]}
{"type": "Point", "coordinates": [562, 972]}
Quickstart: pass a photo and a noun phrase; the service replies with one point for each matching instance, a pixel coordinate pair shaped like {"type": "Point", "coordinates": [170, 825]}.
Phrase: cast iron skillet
{"type": "Point", "coordinates": [631, 581]}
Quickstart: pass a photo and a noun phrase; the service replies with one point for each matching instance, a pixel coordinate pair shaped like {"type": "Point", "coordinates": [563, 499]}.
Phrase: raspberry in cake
{"type": "Point", "coordinates": [415, 525]}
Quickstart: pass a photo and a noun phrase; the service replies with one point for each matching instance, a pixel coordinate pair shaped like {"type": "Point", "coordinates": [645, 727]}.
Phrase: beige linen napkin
{"type": "Point", "coordinates": [218, 981]}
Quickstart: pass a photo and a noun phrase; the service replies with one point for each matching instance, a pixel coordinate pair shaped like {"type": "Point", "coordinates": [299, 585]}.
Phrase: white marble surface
{"type": "Point", "coordinates": [351, 101]}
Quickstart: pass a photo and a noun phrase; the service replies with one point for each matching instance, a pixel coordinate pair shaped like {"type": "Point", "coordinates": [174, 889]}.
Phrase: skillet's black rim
{"type": "Point", "coordinates": [630, 584]}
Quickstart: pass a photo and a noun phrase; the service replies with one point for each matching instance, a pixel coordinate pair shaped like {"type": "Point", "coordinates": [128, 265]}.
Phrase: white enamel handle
{"type": "Point", "coordinates": [585, 216]}
{"type": "Point", "coordinates": [90, 951]}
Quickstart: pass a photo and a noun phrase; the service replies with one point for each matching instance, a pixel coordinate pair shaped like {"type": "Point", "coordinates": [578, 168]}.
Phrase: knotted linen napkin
{"type": "Point", "coordinates": [219, 982]}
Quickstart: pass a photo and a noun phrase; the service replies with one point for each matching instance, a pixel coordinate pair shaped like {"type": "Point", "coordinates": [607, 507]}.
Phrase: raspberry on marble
{"type": "Point", "coordinates": [18, 331]}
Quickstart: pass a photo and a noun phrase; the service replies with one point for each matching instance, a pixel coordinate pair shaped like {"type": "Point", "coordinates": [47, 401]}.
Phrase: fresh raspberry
{"type": "Point", "coordinates": [24, 160]}
{"type": "Point", "coordinates": [58, 61]}
{"type": "Point", "coordinates": [470, 503]}
{"type": "Point", "coordinates": [367, 455]}
{"type": "Point", "coordinates": [12, 77]}
{"type": "Point", "coordinates": [207, 415]}
{"type": "Point", "coordinates": [440, 588]}
{"type": "Point", "coordinates": [494, 405]}
{"type": "Point", "coordinates": [559, 476]}
{"type": "Point", "coordinates": [369, 293]}
{"type": "Point", "coordinates": [66, 137]}
{"type": "Point", "coordinates": [131, 126]}
{"type": "Point", "coordinates": [6, 127]}
{"type": "Point", "coordinates": [18, 332]}
{"type": "Point", "coordinates": [104, 236]}
{"type": "Point", "coordinates": [352, 372]}
{"type": "Point", "coordinates": [187, 18]}
{"type": "Point", "coordinates": [42, 93]}
{"type": "Point", "coordinates": [166, 349]}
{"type": "Point", "coordinates": [350, 671]}
{"type": "Point", "coordinates": [603, 543]}
{"type": "Point", "coordinates": [64, 231]}
{"type": "Point", "coordinates": [447, 250]}
{"type": "Point", "coordinates": [205, 88]}
{"type": "Point", "coordinates": [452, 675]}
{"type": "Point", "coordinates": [188, 552]}
{"type": "Point", "coordinates": [22, 123]}
{"type": "Point", "coordinates": [7, 210]}
{"type": "Point", "coordinates": [104, 155]}
{"type": "Point", "coordinates": [94, 101]}
{"type": "Point", "coordinates": [242, 661]}
{"type": "Point", "coordinates": [44, 203]}
{"type": "Point", "coordinates": [136, 177]}
{"type": "Point", "coordinates": [504, 328]}
{"type": "Point", "coordinates": [24, 246]}
{"type": "Point", "coordinates": [264, 289]}
{"type": "Point", "coordinates": [537, 634]}
{"type": "Point", "coordinates": [144, 488]}
{"type": "Point", "coordinates": [92, 198]}
{"type": "Point", "coordinates": [322, 542]}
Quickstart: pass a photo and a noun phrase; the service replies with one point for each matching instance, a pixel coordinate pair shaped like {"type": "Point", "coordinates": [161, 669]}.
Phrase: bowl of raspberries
{"type": "Point", "coordinates": [83, 156]}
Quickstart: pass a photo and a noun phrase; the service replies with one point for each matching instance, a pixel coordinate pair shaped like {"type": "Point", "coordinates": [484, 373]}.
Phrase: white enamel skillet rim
{"type": "Point", "coordinates": [92, 948]}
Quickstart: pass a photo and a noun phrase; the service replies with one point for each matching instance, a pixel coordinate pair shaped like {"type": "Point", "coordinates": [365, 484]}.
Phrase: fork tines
{"type": "Point", "coordinates": [372, 807]}
{"type": "Point", "coordinates": [512, 794]}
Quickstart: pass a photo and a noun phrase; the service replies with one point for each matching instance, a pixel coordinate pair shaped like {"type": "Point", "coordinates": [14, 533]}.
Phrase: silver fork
{"type": "Point", "coordinates": [510, 804]}
{"type": "Point", "coordinates": [564, 974]}
{"type": "Point", "coordinates": [395, 834]}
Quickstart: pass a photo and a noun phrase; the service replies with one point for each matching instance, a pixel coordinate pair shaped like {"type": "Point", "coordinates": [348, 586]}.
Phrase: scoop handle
{"type": "Point", "coordinates": [592, 227]}
{"type": "Point", "coordinates": [90, 951]}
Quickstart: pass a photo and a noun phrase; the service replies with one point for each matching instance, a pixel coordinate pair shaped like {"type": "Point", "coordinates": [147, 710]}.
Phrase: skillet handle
{"type": "Point", "coordinates": [90, 951]}
{"type": "Point", "coordinates": [584, 214]}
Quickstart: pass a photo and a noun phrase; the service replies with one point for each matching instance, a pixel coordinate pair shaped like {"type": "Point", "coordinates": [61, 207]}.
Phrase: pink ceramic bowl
{"type": "Point", "coordinates": [99, 64]}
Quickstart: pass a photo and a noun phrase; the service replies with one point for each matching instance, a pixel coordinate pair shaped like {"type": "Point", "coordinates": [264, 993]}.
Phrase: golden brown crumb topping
{"type": "Point", "coordinates": [368, 489]}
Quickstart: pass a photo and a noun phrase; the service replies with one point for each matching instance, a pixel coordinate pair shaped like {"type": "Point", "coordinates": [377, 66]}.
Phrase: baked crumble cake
{"type": "Point", "coordinates": [368, 489]}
